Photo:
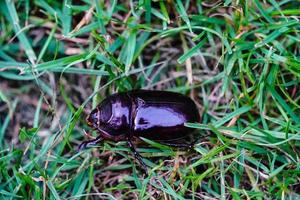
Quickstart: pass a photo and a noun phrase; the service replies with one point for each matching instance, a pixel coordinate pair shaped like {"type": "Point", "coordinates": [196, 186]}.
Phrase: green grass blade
{"type": "Point", "coordinates": [190, 52]}
{"type": "Point", "coordinates": [12, 16]}
{"type": "Point", "coordinates": [285, 106]}
{"type": "Point", "coordinates": [229, 116]}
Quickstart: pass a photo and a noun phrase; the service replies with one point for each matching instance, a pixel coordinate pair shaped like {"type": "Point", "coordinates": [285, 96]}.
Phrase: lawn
{"type": "Point", "coordinates": [238, 60]}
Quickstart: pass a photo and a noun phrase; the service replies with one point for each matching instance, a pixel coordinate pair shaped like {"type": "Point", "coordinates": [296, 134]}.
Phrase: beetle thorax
{"type": "Point", "coordinates": [120, 115]}
{"type": "Point", "coordinates": [119, 122]}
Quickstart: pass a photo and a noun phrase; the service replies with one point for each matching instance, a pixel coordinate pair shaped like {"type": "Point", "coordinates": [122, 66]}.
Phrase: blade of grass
{"type": "Point", "coordinates": [12, 17]}
{"type": "Point", "coordinates": [180, 8]}
{"type": "Point", "coordinates": [285, 106]}
{"type": "Point", "coordinates": [231, 115]}
{"type": "Point", "coordinates": [262, 10]}
{"type": "Point", "coordinates": [45, 46]}
{"type": "Point", "coordinates": [66, 17]}
{"type": "Point", "coordinates": [130, 46]}
{"type": "Point", "coordinates": [53, 190]}
{"type": "Point", "coordinates": [190, 52]}
{"type": "Point", "coordinates": [7, 119]}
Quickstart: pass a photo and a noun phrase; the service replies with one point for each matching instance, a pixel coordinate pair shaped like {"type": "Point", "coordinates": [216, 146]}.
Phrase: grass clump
{"type": "Point", "coordinates": [239, 61]}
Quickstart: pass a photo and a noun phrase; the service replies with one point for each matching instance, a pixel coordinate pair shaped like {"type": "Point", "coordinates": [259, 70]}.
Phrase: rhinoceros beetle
{"type": "Point", "coordinates": [155, 115]}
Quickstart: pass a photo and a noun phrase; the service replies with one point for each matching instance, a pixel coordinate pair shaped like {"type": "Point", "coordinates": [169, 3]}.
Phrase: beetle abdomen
{"type": "Point", "coordinates": [161, 115]}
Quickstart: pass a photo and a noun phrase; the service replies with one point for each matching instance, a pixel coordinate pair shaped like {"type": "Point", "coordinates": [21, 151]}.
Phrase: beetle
{"type": "Point", "coordinates": [155, 115]}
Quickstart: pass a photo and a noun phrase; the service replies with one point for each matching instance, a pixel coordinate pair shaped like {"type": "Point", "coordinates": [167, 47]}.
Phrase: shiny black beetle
{"type": "Point", "coordinates": [155, 115]}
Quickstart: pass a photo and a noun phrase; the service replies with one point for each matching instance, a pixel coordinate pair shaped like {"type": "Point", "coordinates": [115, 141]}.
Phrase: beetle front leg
{"type": "Point", "coordinates": [89, 143]}
{"type": "Point", "coordinates": [137, 155]}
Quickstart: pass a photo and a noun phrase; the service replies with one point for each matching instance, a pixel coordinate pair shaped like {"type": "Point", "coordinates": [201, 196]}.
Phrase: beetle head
{"type": "Point", "coordinates": [100, 115]}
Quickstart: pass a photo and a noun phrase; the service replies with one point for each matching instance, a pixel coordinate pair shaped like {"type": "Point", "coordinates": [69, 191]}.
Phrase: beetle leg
{"type": "Point", "coordinates": [89, 143]}
{"type": "Point", "coordinates": [137, 155]}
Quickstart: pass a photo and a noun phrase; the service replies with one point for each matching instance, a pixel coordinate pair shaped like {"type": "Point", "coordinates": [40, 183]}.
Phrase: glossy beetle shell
{"type": "Point", "coordinates": [157, 115]}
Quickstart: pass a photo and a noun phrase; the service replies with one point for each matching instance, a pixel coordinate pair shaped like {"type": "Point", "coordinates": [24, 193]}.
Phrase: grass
{"type": "Point", "coordinates": [239, 61]}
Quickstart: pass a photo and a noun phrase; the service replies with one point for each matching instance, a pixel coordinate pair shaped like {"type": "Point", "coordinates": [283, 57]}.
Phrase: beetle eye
{"type": "Point", "coordinates": [105, 111]}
